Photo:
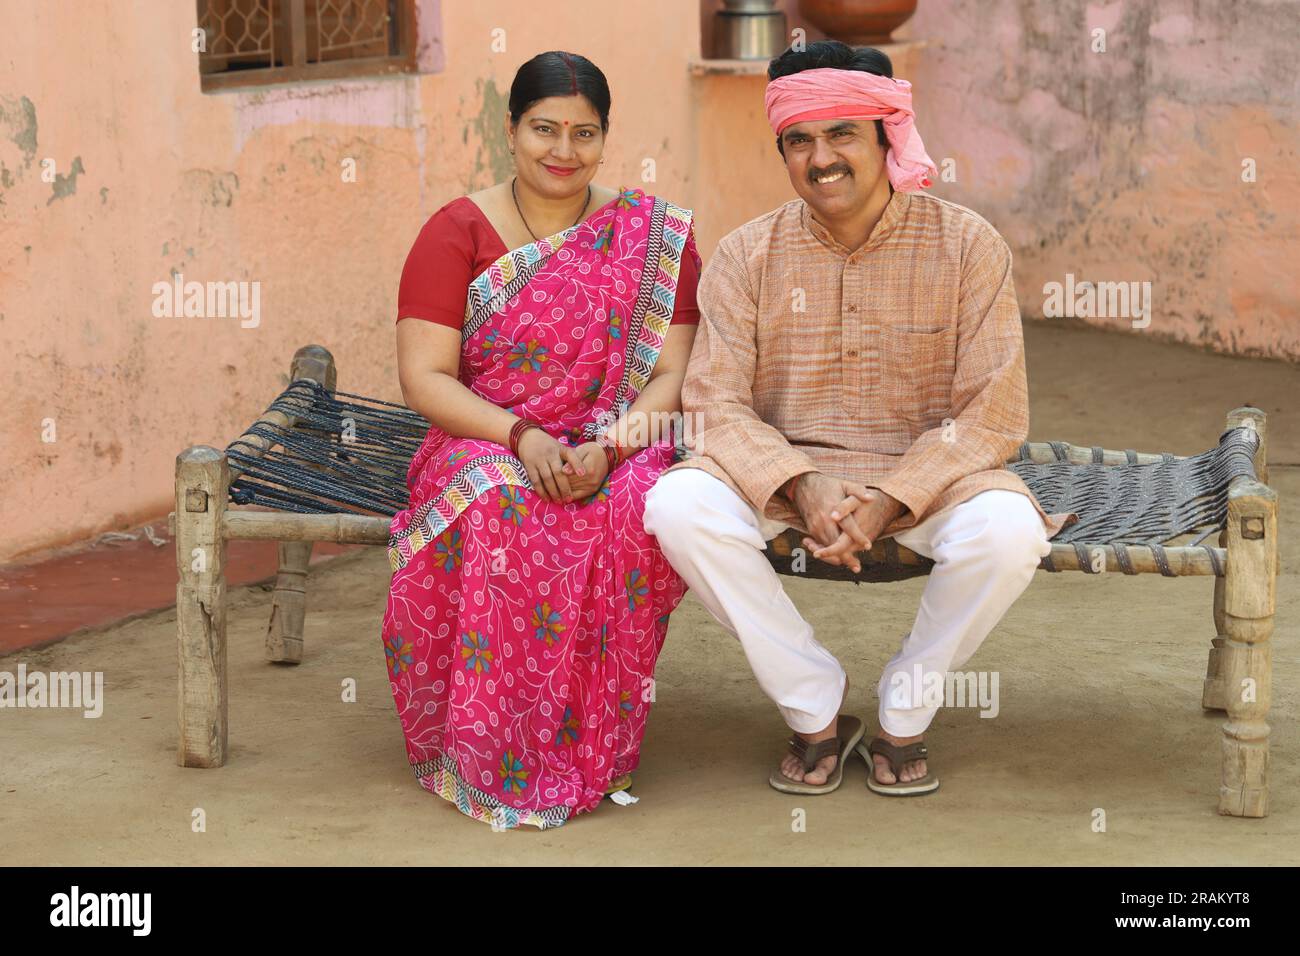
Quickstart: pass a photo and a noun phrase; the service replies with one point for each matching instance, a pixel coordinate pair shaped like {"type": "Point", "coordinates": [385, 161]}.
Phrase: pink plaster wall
{"type": "Point", "coordinates": [1127, 165]}
{"type": "Point", "coordinates": [1125, 168]}
{"type": "Point", "coordinates": [241, 186]}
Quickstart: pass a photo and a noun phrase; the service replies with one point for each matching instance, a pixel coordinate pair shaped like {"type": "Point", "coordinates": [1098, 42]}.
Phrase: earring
{"type": "Point", "coordinates": [602, 162]}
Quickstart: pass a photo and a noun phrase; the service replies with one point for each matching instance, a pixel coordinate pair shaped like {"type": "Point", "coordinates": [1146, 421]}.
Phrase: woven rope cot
{"type": "Point", "coordinates": [331, 466]}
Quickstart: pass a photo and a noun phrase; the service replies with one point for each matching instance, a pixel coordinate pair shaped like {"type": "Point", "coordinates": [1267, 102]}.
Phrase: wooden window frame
{"type": "Point", "coordinates": [298, 70]}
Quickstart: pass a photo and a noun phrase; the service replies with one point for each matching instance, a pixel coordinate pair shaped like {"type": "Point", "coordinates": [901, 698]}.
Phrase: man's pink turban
{"type": "Point", "coordinates": [829, 93]}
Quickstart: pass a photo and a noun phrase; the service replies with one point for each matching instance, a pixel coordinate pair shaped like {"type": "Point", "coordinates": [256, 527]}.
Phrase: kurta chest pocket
{"type": "Point", "coordinates": [917, 368]}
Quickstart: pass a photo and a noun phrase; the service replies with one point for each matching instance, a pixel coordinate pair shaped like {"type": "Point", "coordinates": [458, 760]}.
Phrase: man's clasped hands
{"type": "Point", "coordinates": [844, 517]}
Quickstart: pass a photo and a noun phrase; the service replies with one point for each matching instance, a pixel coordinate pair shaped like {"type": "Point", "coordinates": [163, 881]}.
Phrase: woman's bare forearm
{"type": "Point", "coordinates": [448, 404]}
{"type": "Point", "coordinates": [647, 420]}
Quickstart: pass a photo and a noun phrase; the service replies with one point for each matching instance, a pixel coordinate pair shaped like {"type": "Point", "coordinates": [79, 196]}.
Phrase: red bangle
{"type": "Point", "coordinates": [615, 453]}
{"type": "Point", "coordinates": [516, 432]}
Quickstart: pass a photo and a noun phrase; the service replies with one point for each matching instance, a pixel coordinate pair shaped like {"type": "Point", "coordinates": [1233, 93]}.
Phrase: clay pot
{"type": "Point", "coordinates": [858, 22]}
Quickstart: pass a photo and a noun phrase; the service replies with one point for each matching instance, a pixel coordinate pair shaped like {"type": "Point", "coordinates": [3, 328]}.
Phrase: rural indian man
{"type": "Point", "coordinates": [859, 373]}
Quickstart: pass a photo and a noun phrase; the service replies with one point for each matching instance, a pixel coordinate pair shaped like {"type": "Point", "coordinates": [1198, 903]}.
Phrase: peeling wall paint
{"type": "Point", "coordinates": [18, 118]}
{"type": "Point", "coordinates": [390, 102]}
{"type": "Point", "coordinates": [65, 185]}
{"type": "Point", "coordinates": [492, 162]}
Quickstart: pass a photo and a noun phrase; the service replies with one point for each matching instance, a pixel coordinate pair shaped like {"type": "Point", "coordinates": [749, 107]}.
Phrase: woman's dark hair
{"type": "Point", "coordinates": [556, 73]}
{"type": "Point", "coordinates": [836, 55]}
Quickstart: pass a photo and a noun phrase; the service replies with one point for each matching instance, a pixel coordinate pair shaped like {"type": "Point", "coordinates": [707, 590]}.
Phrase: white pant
{"type": "Point", "coordinates": [985, 552]}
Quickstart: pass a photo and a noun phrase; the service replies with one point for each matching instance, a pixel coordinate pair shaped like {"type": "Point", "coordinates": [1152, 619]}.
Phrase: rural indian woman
{"type": "Point", "coordinates": [544, 326]}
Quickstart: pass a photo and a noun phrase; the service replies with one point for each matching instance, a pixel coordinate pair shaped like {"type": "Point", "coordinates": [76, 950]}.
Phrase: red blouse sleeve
{"type": "Point", "coordinates": [685, 309]}
{"type": "Point", "coordinates": [439, 267]}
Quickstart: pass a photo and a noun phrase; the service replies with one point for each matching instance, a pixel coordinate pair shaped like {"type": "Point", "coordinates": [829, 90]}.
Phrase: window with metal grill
{"type": "Point", "coordinates": [257, 42]}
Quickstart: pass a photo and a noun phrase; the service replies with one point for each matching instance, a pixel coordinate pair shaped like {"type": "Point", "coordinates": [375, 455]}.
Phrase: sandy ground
{"type": "Point", "coordinates": [1100, 708]}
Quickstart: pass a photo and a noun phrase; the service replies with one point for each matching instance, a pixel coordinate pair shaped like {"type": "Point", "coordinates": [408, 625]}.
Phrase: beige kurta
{"type": "Point", "coordinates": [900, 364]}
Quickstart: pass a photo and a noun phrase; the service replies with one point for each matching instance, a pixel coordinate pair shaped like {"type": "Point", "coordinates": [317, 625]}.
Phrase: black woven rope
{"type": "Point", "coordinates": [350, 454]}
{"type": "Point", "coordinates": [1141, 504]}
{"type": "Point", "coordinates": [345, 454]}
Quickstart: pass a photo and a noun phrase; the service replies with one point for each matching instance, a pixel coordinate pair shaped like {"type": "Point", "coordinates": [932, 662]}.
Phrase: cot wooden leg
{"type": "Point", "coordinates": [284, 633]}
{"type": "Point", "coordinates": [1246, 416]}
{"type": "Point", "coordinates": [1249, 600]}
{"type": "Point", "coordinates": [289, 605]}
{"type": "Point", "coordinates": [1212, 692]}
{"type": "Point", "coordinates": [202, 483]}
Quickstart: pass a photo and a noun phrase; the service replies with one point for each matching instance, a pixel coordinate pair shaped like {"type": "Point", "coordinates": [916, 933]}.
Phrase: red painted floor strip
{"type": "Point", "coordinates": [98, 584]}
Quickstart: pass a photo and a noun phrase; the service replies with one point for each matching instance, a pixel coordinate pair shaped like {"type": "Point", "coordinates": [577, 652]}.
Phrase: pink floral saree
{"type": "Point", "coordinates": [521, 635]}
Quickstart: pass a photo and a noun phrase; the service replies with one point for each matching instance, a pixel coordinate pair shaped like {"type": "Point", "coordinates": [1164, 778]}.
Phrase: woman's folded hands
{"type": "Point", "coordinates": [559, 473]}
{"type": "Point", "coordinates": [545, 460]}
{"type": "Point", "coordinates": [595, 466]}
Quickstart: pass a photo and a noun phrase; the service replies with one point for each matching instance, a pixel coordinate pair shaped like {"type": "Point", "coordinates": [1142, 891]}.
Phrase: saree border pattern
{"type": "Point", "coordinates": [501, 281]}
{"type": "Point", "coordinates": [444, 779]}
{"type": "Point", "coordinates": [434, 516]}
{"type": "Point", "coordinates": [648, 327]}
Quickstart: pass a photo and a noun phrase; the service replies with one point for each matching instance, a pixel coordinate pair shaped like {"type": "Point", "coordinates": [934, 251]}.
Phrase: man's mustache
{"type": "Point", "coordinates": [815, 174]}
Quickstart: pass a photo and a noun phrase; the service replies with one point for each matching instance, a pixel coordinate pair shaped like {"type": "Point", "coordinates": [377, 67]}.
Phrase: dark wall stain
{"type": "Point", "coordinates": [112, 451]}
{"type": "Point", "coordinates": [66, 185]}
{"type": "Point", "coordinates": [493, 156]}
{"type": "Point", "coordinates": [19, 119]}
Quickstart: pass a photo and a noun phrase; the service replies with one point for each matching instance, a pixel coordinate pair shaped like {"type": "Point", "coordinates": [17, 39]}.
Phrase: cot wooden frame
{"type": "Point", "coordinates": [1237, 677]}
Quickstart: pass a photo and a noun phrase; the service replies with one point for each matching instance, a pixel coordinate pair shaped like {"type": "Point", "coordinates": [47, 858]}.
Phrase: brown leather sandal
{"type": "Point", "coordinates": [897, 757]}
{"type": "Point", "coordinates": [849, 735]}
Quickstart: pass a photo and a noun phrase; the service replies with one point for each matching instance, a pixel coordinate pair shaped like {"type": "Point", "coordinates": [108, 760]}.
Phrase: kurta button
{"type": "Point", "coordinates": [853, 353]}
{"type": "Point", "coordinates": [853, 308]}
